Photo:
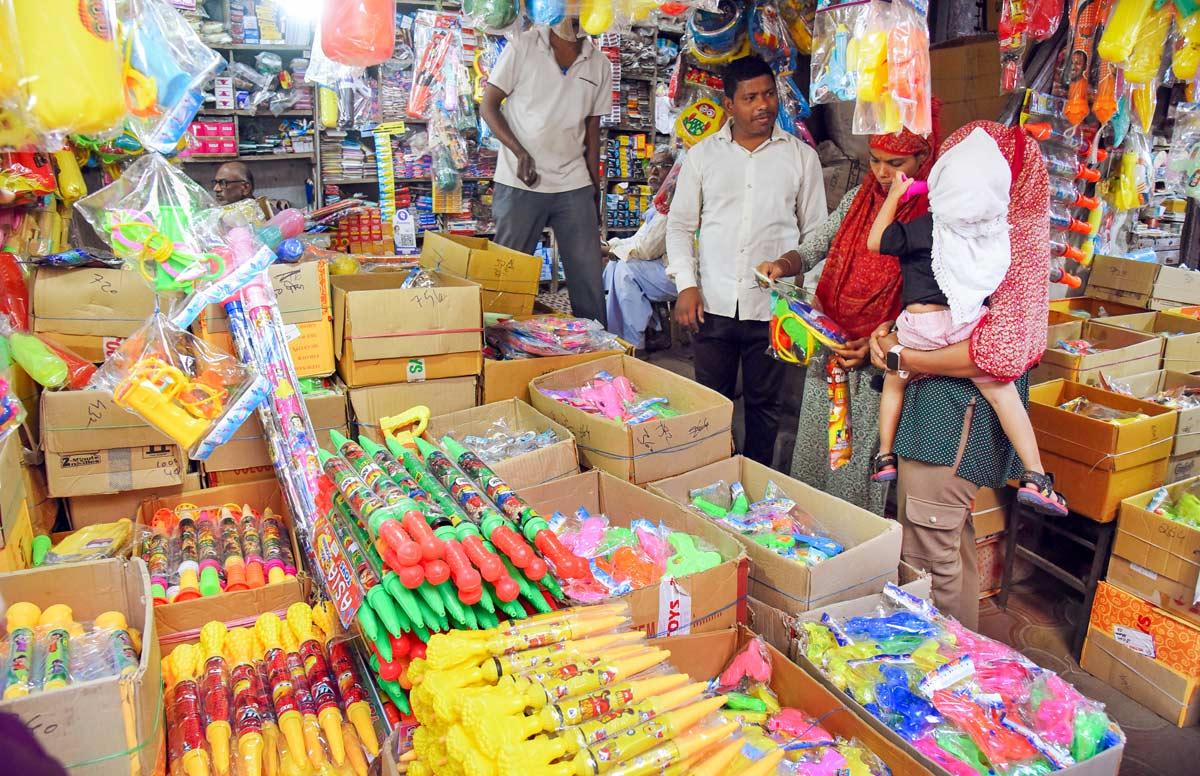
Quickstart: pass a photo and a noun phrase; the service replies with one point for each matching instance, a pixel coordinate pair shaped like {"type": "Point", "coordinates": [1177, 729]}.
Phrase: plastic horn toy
{"type": "Point", "coordinates": [304, 698]}
{"type": "Point", "coordinates": [247, 716]}
{"type": "Point", "coordinates": [210, 558]}
{"type": "Point", "coordinates": [277, 555]}
{"type": "Point", "coordinates": [21, 619]}
{"type": "Point", "coordinates": [186, 703]}
{"type": "Point", "coordinates": [354, 700]}
{"type": "Point", "coordinates": [401, 552]}
{"type": "Point", "coordinates": [215, 693]}
{"type": "Point", "coordinates": [320, 681]}
{"type": "Point", "coordinates": [283, 693]}
{"type": "Point", "coordinates": [56, 663]}
{"type": "Point", "coordinates": [120, 643]}
{"type": "Point", "coordinates": [413, 520]}
{"type": "Point", "coordinates": [154, 552]}
{"type": "Point", "coordinates": [231, 551]}
{"type": "Point", "coordinates": [189, 558]}
{"type": "Point", "coordinates": [252, 547]}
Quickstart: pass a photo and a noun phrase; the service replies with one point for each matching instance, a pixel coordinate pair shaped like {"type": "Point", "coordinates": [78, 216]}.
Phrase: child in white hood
{"type": "Point", "coordinates": [951, 261]}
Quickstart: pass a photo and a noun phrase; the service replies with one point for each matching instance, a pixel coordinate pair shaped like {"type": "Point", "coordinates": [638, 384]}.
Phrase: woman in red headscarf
{"type": "Point", "coordinates": [950, 442]}
{"type": "Point", "coordinates": [859, 289]}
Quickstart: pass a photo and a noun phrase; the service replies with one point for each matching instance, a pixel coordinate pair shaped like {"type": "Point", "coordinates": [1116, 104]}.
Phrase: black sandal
{"type": "Point", "coordinates": [1037, 492]}
{"type": "Point", "coordinates": [883, 467]}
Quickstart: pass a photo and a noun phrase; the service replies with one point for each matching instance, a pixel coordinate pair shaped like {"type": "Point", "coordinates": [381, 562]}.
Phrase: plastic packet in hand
{"type": "Point", "coordinates": [168, 66]}
{"type": "Point", "coordinates": [178, 384]}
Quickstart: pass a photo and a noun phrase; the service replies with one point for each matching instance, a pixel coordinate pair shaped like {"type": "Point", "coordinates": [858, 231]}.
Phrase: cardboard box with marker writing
{"type": "Point", "coordinates": [708, 600]}
{"type": "Point", "coordinates": [89, 310]}
{"type": "Point", "coordinates": [112, 726]}
{"type": "Point", "coordinates": [302, 292]}
{"type": "Point", "coordinates": [510, 379]}
{"type": "Point", "coordinates": [871, 544]}
{"type": "Point", "coordinates": [700, 434]}
{"type": "Point", "coordinates": [1143, 283]}
{"type": "Point", "coordinates": [545, 464]}
{"type": "Point", "coordinates": [1097, 463]}
{"type": "Point", "coordinates": [248, 447]}
{"type": "Point", "coordinates": [369, 405]}
{"type": "Point", "coordinates": [180, 619]}
{"type": "Point", "coordinates": [385, 333]}
{"type": "Point", "coordinates": [93, 447]}
{"type": "Point", "coordinates": [1118, 352]}
{"type": "Point", "coordinates": [508, 278]}
{"type": "Point", "coordinates": [1180, 336]}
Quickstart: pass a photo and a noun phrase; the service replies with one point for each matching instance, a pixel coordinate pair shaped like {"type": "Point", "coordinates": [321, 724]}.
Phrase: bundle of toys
{"type": "Point", "coordinates": [1184, 510]}
{"type": "Point", "coordinates": [1082, 405]}
{"type": "Point", "coordinates": [47, 649]}
{"type": "Point", "coordinates": [969, 704]}
{"type": "Point", "coordinates": [797, 329]}
{"type": "Point", "coordinates": [549, 335]}
{"type": "Point", "coordinates": [614, 398]}
{"type": "Point", "coordinates": [92, 542]}
{"type": "Point", "coordinates": [775, 521]}
{"type": "Point", "coordinates": [499, 442]}
{"type": "Point", "coordinates": [281, 697]}
{"type": "Point", "coordinates": [623, 559]}
{"type": "Point", "coordinates": [196, 551]}
{"type": "Point", "coordinates": [576, 692]}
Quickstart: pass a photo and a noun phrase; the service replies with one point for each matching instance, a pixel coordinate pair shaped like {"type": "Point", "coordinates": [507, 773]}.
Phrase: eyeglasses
{"type": "Point", "coordinates": [220, 184]}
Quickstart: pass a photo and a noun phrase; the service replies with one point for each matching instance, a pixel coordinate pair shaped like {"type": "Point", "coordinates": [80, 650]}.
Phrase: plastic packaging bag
{"type": "Point", "coordinates": [549, 335]}
{"type": "Point", "coordinates": [178, 384]}
{"type": "Point", "coordinates": [92, 542]}
{"type": "Point", "coordinates": [359, 33]}
{"type": "Point", "coordinates": [168, 65]}
{"type": "Point", "coordinates": [491, 15]}
{"type": "Point", "coordinates": [499, 441]}
{"type": "Point", "coordinates": [1184, 160]}
{"type": "Point", "coordinates": [834, 75]}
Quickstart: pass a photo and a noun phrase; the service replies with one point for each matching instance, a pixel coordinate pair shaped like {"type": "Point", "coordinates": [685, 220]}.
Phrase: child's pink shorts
{"type": "Point", "coordinates": [935, 330]}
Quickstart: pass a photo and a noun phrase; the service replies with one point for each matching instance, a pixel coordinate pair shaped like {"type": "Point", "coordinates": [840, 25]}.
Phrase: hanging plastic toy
{"type": "Point", "coordinates": [715, 38]}
{"type": "Point", "coordinates": [548, 12]}
{"type": "Point", "coordinates": [359, 33]}
{"type": "Point", "coordinates": [835, 50]}
{"type": "Point", "coordinates": [768, 34]}
{"type": "Point", "coordinates": [699, 120]}
{"type": "Point", "coordinates": [490, 14]}
{"type": "Point", "coordinates": [596, 16]}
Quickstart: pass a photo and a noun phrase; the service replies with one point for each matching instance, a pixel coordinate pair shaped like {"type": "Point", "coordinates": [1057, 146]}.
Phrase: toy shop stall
{"type": "Point", "coordinates": [303, 472]}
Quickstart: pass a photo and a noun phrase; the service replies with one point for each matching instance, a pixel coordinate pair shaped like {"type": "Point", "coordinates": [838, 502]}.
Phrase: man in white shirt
{"type": "Point", "coordinates": [636, 274]}
{"type": "Point", "coordinates": [754, 192]}
{"type": "Point", "coordinates": [543, 101]}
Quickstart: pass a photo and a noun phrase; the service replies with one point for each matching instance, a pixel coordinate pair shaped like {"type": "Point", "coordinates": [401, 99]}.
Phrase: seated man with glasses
{"type": "Point", "coordinates": [234, 183]}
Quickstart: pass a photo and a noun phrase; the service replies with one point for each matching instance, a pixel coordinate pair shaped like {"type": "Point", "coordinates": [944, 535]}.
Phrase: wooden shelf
{"type": "Point", "coordinates": [203, 158]}
{"type": "Point", "coordinates": [249, 115]}
{"type": "Point", "coordinates": [349, 181]}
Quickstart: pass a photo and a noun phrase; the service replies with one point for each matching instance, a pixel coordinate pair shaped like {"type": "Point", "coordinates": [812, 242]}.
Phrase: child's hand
{"type": "Point", "coordinates": [899, 186]}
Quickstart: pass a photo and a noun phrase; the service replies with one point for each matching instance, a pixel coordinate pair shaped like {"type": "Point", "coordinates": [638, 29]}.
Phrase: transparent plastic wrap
{"type": "Point", "coordinates": [837, 25]}
{"type": "Point", "coordinates": [1023, 21]}
{"type": "Point", "coordinates": [93, 542]}
{"type": "Point", "coordinates": [324, 71]}
{"type": "Point", "coordinates": [491, 15]}
{"type": "Point", "coordinates": [500, 441]}
{"type": "Point", "coordinates": [181, 386]}
{"type": "Point", "coordinates": [793, 106]}
{"type": "Point", "coordinates": [893, 89]}
{"type": "Point", "coordinates": [436, 72]}
{"type": "Point", "coordinates": [78, 89]}
{"type": "Point", "coordinates": [1081, 405]}
{"type": "Point", "coordinates": [769, 37]}
{"type": "Point", "coordinates": [798, 16]}
{"type": "Point", "coordinates": [1186, 56]}
{"type": "Point", "coordinates": [168, 66]}
{"type": "Point", "coordinates": [718, 36]}
{"type": "Point", "coordinates": [614, 398]}
{"type": "Point", "coordinates": [359, 33]}
{"type": "Point", "coordinates": [550, 335]}
{"type": "Point", "coordinates": [1184, 160]}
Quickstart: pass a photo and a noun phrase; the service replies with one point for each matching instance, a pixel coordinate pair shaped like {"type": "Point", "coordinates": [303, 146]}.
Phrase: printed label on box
{"type": "Point", "coordinates": [674, 609]}
{"type": "Point", "coordinates": [1134, 639]}
{"type": "Point", "coordinates": [415, 371]}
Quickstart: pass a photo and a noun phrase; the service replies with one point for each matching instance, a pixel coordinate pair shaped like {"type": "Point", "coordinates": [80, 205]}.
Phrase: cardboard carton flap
{"type": "Point", "coordinates": [301, 290]}
{"type": "Point", "coordinates": [492, 266]}
{"type": "Point", "coordinates": [99, 302]}
{"type": "Point", "coordinates": [77, 421]}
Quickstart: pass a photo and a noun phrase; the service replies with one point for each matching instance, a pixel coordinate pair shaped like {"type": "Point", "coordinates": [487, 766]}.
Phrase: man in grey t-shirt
{"type": "Point", "coordinates": [543, 101]}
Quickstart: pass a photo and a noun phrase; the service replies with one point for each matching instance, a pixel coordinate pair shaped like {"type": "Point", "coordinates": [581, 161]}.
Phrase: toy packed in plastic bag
{"type": "Point", "coordinates": [614, 398]}
{"type": "Point", "coordinates": [966, 702]}
{"type": "Point", "coordinates": [284, 694]}
{"type": "Point", "coordinates": [893, 89]}
{"type": "Point", "coordinates": [626, 559]}
{"type": "Point", "coordinates": [1184, 160]}
{"type": "Point", "coordinates": [48, 649]}
{"type": "Point", "coordinates": [490, 15]}
{"type": "Point", "coordinates": [836, 25]}
{"type": "Point", "coordinates": [550, 335]}
{"type": "Point", "coordinates": [717, 36]}
{"type": "Point", "coordinates": [775, 521]}
{"type": "Point", "coordinates": [1184, 510]}
{"type": "Point", "coordinates": [500, 441]}
{"type": "Point", "coordinates": [1023, 22]}
{"type": "Point", "coordinates": [796, 328]}
{"type": "Point", "coordinates": [178, 384]}
{"type": "Point", "coordinates": [167, 228]}
{"type": "Point", "coordinates": [358, 33]}
{"type": "Point", "coordinates": [92, 542]}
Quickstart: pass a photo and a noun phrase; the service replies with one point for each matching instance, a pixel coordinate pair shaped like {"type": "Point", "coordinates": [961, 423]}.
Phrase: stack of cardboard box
{"type": "Point", "coordinates": [1143, 284]}
{"type": "Point", "coordinates": [508, 279]}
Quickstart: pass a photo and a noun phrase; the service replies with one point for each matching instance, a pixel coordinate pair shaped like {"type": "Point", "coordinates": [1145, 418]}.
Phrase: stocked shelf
{"type": "Point", "coordinates": [201, 158]}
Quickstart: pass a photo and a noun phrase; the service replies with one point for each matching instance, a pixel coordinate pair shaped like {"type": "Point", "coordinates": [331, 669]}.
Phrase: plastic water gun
{"type": "Point", "coordinates": [252, 548]}
{"type": "Point", "coordinates": [1064, 192]}
{"type": "Point", "coordinates": [247, 715]}
{"type": "Point", "coordinates": [181, 666]}
{"type": "Point", "coordinates": [1061, 169]}
{"type": "Point", "coordinates": [320, 679]}
{"type": "Point", "coordinates": [215, 693]}
{"type": "Point", "coordinates": [836, 80]}
{"type": "Point", "coordinates": [1060, 275]}
{"type": "Point", "coordinates": [283, 693]}
{"type": "Point", "coordinates": [277, 552]}
{"type": "Point", "coordinates": [688, 558]}
{"type": "Point", "coordinates": [21, 619]}
{"type": "Point", "coordinates": [406, 427]}
{"type": "Point", "coordinates": [120, 643]}
{"type": "Point", "coordinates": [58, 623]}
{"type": "Point", "coordinates": [189, 558]}
{"type": "Point", "coordinates": [304, 698]}
{"type": "Point", "coordinates": [1084, 19]}
{"type": "Point", "coordinates": [1062, 220]}
{"type": "Point", "coordinates": [999, 744]}
{"type": "Point", "coordinates": [1123, 29]}
{"type": "Point", "coordinates": [354, 700]}
{"type": "Point", "coordinates": [533, 525]}
{"type": "Point", "coordinates": [155, 553]}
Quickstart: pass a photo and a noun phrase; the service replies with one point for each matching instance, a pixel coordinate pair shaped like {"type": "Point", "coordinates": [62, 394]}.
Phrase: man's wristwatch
{"type": "Point", "coordinates": [892, 360]}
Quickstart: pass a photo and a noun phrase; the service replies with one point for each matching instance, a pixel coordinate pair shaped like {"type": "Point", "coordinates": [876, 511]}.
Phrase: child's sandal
{"type": "Point", "coordinates": [1037, 492]}
{"type": "Point", "coordinates": [883, 467]}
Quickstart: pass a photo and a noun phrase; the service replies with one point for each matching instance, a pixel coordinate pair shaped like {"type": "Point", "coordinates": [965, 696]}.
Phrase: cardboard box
{"type": "Point", "coordinates": [107, 507]}
{"type": "Point", "coordinates": [872, 544]}
{"type": "Point", "coordinates": [43, 510]}
{"type": "Point", "coordinates": [699, 435]}
{"type": "Point", "coordinates": [510, 379]}
{"type": "Point", "coordinates": [1167, 693]}
{"type": "Point", "coordinates": [1124, 352]}
{"type": "Point", "coordinates": [248, 446]}
{"type": "Point", "coordinates": [1096, 493]}
{"type": "Point", "coordinates": [13, 495]}
{"type": "Point", "coordinates": [1158, 589]}
{"type": "Point", "coordinates": [238, 476]}
{"type": "Point", "coordinates": [179, 620]}
{"type": "Point", "coordinates": [1144, 627]}
{"type": "Point", "coordinates": [1180, 335]}
{"type": "Point", "coordinates": [1088, 307]}
{"type": "Point", "coordinates": [17, 553]}
{"type": "Point", "coordinates": [710, 600]}
{"type": "Point", "coordinates": [94, 308]}
{"type": "Point", "coordinates": [1187, 427]}
{"type": "Point", "coordinates": [93, 446]}
{"type": "Point", "coordinates": [387, 334]}
{"type": "Point", "coordinates": [989, 511]}
{"type": "Point", "coordinates": [965, 74]}
{"type": "Point", "coordinates": [1158, 545]}
{"type": "Point", "coordinates": [1115, 279]}
{"type": "Point", "coordinates": [368, 405]}
{"type": "Point", "coordinates": [311, 348]}
{"type": "Point", "coordinates": [89, 726]}
{"type": "Point", "coordinates": [1182, 467]}
{"type": "Point", "coordinates": [1107, 763]}
{"type": "Point", "coordinates": [1175, 287]}
{"type": "Point", "coordinates": [509, 279]}
{"type": "Point", "coordinates": [546, 464]}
